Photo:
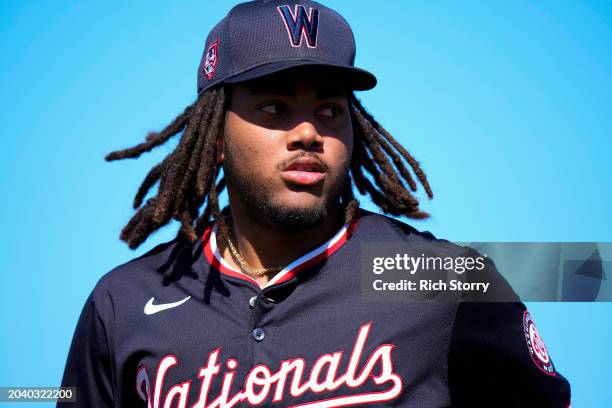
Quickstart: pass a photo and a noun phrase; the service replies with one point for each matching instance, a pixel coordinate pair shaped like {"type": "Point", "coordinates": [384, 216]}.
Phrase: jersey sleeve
{"type": "Point", "coordinates": [498, 358]}
{"type": "Point", "coordinates": [88, 367]}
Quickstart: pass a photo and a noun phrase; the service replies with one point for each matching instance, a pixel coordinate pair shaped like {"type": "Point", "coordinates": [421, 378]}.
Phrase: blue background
{"type": "Point", "coordinates": [507, 106]}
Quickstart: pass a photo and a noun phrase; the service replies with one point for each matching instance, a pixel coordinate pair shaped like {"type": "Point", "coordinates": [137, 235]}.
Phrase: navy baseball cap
{"type": "Point", "coordinates": [262, 37]}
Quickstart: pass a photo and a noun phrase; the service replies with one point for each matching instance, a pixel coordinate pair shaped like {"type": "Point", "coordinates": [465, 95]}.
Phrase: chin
{"type": "Point", "coordinates": [307, 202]}
{"type": "Point", "coordinates": [294, 214]}
{"type": "Point", "coordinates": [301, 200]}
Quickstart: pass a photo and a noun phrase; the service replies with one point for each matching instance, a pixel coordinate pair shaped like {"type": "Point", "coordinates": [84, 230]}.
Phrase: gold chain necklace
{"type": "Point", "coordinates": [245, 266]}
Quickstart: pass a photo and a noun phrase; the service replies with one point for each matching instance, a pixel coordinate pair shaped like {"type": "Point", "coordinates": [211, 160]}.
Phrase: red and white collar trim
{"type": "Point", "coordinates": [215, 259]}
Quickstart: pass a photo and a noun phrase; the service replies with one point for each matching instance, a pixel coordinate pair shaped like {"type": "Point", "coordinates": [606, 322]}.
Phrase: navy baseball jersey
{"type": "Point", "coordinates": [180, 327]}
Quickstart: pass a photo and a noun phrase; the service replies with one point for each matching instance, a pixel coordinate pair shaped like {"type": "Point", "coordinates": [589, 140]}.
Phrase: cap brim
{"type": "Point", "coordinates": [358, 79]}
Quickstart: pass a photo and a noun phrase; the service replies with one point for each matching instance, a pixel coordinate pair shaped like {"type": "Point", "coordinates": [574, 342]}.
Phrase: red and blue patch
{"type": "Point", "coordinates": [537, 348]}
{"type": "Point", "coordinates": [211, 60]}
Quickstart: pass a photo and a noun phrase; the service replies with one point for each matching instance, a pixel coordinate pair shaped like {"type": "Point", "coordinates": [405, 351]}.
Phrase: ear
{"type": "Point", "coordinates": [220, 156]}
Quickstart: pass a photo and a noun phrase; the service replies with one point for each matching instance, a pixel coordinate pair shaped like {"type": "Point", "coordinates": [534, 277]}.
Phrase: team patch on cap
{"type": "Point", "coordinates": [211, 60]}
{"type": "Point", "coordinates": [537, 348]}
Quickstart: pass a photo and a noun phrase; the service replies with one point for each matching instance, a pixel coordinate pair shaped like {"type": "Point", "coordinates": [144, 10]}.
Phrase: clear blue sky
{"type": "Point", "coordinates": [506, 104]}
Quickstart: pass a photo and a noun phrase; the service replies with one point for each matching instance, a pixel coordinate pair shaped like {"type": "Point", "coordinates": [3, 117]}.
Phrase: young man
{"type": "Point", "coordinates": [262, 306]}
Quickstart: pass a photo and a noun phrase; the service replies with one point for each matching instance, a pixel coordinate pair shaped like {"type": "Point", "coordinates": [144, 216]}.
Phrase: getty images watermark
{"type": "Point", "coordinates": [495, 272]}
{"type": "Point", "coordinates": [422, 263]}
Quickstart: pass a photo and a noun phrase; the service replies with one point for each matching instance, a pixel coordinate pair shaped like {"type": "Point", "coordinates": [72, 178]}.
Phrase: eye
{"type": "Point", "coordinates": [274, 108]}
{"type": "Point", "coordinates": [331, 111]}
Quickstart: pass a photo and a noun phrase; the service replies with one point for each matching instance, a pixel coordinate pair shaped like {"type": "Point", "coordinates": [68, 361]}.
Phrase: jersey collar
{"type": "Point", "coordinates": [324, 251]}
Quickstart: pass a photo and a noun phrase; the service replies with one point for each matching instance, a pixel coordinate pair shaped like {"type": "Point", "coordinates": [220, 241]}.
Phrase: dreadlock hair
{"type": "Point", "coordinates": [189, 176]}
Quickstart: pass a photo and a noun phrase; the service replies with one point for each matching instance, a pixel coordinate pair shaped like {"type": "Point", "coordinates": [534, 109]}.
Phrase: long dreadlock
{"type": "Point", "coordinates": [189, 176]}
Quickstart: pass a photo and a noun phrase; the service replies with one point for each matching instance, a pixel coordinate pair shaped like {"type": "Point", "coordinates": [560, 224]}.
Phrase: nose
{"type": "Point", "coordinates": [304, 136]}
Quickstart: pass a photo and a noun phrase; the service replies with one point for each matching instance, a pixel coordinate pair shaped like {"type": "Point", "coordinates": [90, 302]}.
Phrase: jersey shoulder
{"type": "Point", "coordinates": [397, 237]}
{"type": "Point", "coordinates": [378, 227]}
{"type": "Point", "coordinates": [166, 263]}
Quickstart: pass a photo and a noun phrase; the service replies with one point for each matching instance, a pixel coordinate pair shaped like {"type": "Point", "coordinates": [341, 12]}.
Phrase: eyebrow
{"type": "Point", "coordinates": [327, 90]}
{"type": "Point", "coordinates": [271, 88]}
{"type": "Point", "coordinates": [330, 91]}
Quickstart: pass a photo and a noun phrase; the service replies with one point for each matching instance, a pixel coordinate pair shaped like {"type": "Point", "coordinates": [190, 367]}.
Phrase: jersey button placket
{"type": "Point", "coordinates": [259, 342]}
{"type": "Point", "coordinates": [258, 334]}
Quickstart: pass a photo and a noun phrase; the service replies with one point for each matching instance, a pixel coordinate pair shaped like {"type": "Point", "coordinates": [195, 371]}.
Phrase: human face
{"type": "Point", "coordinates": [287, 148]}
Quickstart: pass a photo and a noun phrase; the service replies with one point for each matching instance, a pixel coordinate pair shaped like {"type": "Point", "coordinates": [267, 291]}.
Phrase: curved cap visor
{"type": "Point", "coordinates": [358, 79]}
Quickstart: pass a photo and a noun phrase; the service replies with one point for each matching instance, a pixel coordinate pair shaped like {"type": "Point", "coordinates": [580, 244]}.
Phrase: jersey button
{"type": "Point", "coordinates": [258, 333]}
{"type": "Point", "coordinates": [252, 301]}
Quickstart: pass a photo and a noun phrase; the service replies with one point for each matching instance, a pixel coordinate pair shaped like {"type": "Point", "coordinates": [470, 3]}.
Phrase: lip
{"type": "Point", "coordinates": [305, 171]}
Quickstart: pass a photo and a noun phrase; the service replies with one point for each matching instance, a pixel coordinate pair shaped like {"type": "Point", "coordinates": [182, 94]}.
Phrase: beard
{"type": "Point", "coordinates": [258, 199]}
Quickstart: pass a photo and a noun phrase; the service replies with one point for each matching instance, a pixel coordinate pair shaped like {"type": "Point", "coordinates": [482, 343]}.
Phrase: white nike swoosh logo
{"type": "Point", "coordinates": [150, 308]}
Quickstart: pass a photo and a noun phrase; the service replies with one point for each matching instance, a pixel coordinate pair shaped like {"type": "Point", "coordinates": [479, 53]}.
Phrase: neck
{"type": "Point", "coordinates": [259, 244]}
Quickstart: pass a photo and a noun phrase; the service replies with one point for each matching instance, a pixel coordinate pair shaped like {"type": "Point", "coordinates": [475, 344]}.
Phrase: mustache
{"type": "Point", "coordinates": [281, 166]}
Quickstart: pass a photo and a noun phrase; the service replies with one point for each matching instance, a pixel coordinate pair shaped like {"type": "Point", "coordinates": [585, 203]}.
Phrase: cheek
{"type": "Point", "coordinates": [340, 151]}
{"type": "Point", "coordinates": [248, 145]}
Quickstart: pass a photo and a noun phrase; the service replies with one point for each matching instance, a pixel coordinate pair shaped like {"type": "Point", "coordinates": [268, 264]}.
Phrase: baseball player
{"type": "Point", "coordinates": [259, 304]}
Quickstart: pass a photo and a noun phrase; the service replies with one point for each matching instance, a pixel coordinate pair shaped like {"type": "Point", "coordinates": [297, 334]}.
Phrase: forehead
{"type": "Point", "coordinates": [325, 83]}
